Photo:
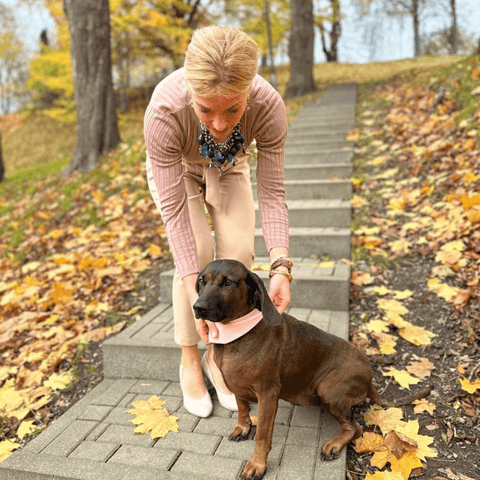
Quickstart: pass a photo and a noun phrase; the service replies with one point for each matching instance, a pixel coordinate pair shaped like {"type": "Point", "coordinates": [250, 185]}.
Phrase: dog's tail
{"type": "Point", "coordinates": [375, 397]}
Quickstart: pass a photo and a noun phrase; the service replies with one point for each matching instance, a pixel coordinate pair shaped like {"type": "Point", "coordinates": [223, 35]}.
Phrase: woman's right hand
{"type": "Point", "coordinates": [201, 325]}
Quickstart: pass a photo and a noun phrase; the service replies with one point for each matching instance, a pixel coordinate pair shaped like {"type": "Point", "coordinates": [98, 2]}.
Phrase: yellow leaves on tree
{"type": "Point", "coordinates": [152, 417]}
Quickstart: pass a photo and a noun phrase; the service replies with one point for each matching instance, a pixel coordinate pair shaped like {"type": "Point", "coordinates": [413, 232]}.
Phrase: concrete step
{"type": "Point", "coordinates": [312, 149]}
{"type": "Point", "coordinates": [147, 348]}
{"type": "Point", "coordinates": [319, 171]}
{"type": "Point", "coordinates": [318, 156]}
{"type": "Point", "coordinates": [313, 133]}
{"type": "Point", "coordinates": [331, 241]}
{"type": "Point", "coordinates": [314, 213]}
{"type": "Point", "coordinates": [341, 124]}
{"type": "Point", "coordinates": [317, 288]}
{"type": "Point", "coordinates": [314, 141]}
{"type": "Point", "coordinates": [308, 189]}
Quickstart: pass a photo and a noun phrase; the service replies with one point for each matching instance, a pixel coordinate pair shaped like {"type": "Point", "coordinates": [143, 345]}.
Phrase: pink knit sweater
{"type": "Point", "coordinates": [171, 131]}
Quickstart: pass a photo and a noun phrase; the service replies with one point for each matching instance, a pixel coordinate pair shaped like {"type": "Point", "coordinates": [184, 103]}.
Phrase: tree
{"type": "Point", "coordinates": [89, 23]}
{"type": "Point", "coordinates": [401, 8]}
{"type": "Point", "coordinates": [440, 42]}
{"type": "Point", "coordinates": [13, 68]}
{"type": "Point", "coordinates": [331, 15]}
{"type": "Point", "coordinates": [300, 49]}
{"type": "Point", "coordinates": [454, 39]}
{"type": "Point", "coordinates": [267, 21]}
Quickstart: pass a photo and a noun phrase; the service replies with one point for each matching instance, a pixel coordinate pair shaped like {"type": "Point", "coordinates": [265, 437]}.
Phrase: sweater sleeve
{"type": "Point", "coordinates": [163, 142]}
{"type": "Point", "coordinates": [271, 173]}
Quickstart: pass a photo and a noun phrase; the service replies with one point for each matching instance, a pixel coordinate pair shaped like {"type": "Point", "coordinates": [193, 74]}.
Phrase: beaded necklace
{"type": "Point", "coordinates": [219, 153]}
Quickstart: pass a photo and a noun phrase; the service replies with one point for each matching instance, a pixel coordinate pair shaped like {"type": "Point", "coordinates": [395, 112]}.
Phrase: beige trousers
{"type": "Point", "coordinates": [228, 199]}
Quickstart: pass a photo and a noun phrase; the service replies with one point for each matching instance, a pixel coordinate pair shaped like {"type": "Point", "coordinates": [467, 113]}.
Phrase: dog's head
{"type": "Point", "coordinates": [228, 290]}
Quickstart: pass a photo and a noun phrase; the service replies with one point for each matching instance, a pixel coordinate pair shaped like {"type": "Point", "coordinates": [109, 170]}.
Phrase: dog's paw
{"type": "Point", "coordinates": [240, 433]}
{"type": "Point", "coordinates": [329, 452]}
{"type": "Point", "coordinates": [253, 471]}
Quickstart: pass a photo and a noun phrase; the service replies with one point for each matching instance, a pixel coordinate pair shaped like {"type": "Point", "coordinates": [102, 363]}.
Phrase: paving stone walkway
{"type": "Point", "coordinates": [94, 439]}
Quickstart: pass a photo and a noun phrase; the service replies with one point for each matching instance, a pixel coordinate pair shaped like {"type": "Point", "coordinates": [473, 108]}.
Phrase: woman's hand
{"type": "Point", "coordinates": [279, 292]}
{"type": "Point", "coordinates": [201, 325]}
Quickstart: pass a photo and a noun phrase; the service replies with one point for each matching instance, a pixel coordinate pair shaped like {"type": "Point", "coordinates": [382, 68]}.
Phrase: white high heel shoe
{"type": "Point", "coordinates": [226, 401]}
{"type": "Point", "coordinates": [202, 407]}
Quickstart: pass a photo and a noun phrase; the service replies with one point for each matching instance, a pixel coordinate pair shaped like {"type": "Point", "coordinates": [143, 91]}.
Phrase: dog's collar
{"type": "Point", "coordinates": [236, 329]}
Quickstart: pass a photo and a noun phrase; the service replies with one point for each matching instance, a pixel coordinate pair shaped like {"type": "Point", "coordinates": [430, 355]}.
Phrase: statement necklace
{"type": "Point", "coordinates": [219, 153]}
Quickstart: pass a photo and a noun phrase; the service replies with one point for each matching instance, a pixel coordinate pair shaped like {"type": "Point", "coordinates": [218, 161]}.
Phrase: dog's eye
{"type": "Point", "coordinates": [201, 282]}
{"type": "Point", "coordinates": [228, 282]}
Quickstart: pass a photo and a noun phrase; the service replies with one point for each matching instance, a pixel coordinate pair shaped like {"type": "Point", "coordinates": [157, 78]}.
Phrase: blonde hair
{"type": "Point", "coordinates": [220, 61]}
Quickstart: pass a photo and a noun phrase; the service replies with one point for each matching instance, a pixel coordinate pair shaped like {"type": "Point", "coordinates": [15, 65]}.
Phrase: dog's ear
{"type": "Point", "coordinates": [197, 282]}
{"type": "Point", "coordinates": [259, 298]}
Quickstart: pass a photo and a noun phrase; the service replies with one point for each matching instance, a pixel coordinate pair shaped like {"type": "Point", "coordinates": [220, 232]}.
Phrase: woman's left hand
{"type": "Point", "coordinates": [279, 292]}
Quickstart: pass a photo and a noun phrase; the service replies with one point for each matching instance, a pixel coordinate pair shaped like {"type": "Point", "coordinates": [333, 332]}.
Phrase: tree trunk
{"type": "Point", "coordinates": [332, 53]}
{"type": "Point", "coordinates": [300, 49]}
{"type": "Point", "coordinates": [454, 26]}
{"type": "Point", "coordinates": [89, 22]}
{"type": "Point", "coordinates": [2, 168]}
{"type": "Point", "coordinates": [416, 28]}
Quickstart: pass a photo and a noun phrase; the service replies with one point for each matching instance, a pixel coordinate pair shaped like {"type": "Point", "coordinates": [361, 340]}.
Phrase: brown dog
{"type": "Point", "coordinates": [281, 357]}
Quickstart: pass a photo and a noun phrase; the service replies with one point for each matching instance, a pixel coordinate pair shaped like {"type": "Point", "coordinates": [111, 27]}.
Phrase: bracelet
{"type": "Point", "coordinates": [281, 272]}
{"type": "Point", "coordinates": [284, 262]}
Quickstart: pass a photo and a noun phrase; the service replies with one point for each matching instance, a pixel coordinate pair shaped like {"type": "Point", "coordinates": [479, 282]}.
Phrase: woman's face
{"type": "Point", "coordinates": [220, 114]}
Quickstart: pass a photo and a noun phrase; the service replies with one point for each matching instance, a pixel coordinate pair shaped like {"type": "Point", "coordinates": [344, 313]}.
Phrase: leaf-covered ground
{"type": "Point", "coordinates": [415, 298]}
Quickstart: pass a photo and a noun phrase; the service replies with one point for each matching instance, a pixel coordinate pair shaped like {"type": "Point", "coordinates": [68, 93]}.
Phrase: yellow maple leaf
{"type": "Point", "coordinates": [402, 466]}
{"type": "Point", "coordinates": [400, 246]}
{"type": "Point", "coordinates": [58, 381]}
{"type": "Point", "coordinates": [390, 306]}
{"type": "Point", "coordinates": [264, 268]}
{"type": "Point", "coordinates": [324, 265]}
{"type": "Point", "coordinates": [357, 201]}
{"type": "Point", "coordinates": [381, 290]}
{"type": "Point", "coordinates": [421, 368]}
{"type": "Point", "coordinates": [6, 449]}
{"type": "Point", "coordinates": [369, 442]}
{"type": "Point", "coordinates": [402, 294]}
{"type": "Point", "coordinates": [410, 430]}
{"type": "Point", "coordinates": [424, 405]}
{"type": "Point", "coordinates": [385, 419]}
{"type": "Point", "coordinates": [376, 326]}
{"type": "Point", "coordinates": [402, 377]}
{"type": "Point", "coordinates": [469, 386]}
{"type": "Point", "coordinates": [152, 417]}
{"type": "Point", "coordinates": [416, 335]}
{"type": "Point", "coordinates": [384, 476]}
{"type": "Point", "coordinates": [386, 342]}
{"type": "Point", "coordinates": [26, 428]}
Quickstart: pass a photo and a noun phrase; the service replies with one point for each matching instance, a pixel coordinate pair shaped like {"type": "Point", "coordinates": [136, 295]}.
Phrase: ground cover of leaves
{"type": "Point", "coordinates": [415, 297]}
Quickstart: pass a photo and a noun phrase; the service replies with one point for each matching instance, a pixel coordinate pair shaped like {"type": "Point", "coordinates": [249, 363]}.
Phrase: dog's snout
{"type": "Point", "coordinates": [199, 309]}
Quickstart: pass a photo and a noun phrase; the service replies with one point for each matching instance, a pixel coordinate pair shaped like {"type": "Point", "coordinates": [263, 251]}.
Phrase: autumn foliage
{"type": "Point", "coordinates": [416, 198]}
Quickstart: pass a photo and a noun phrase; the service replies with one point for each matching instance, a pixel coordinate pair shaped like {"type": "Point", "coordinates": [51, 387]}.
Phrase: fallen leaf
{"type": "Point", "coordinates": [468, 386]}
{"type": "Point", "coordinates": [6, 449]}
{"type": "Point", "coordinates": [421, 368]}
{"type": "Point", "coordinates": [417, 335]}
{"type": "Point", "coordinates": [424, 405]}
{"type": "Point", "coordinates": [151, 417]}
{"type": "Point", "coordinates": [402, 377]}
{"type": "Point", "coordinates": [385, 419]}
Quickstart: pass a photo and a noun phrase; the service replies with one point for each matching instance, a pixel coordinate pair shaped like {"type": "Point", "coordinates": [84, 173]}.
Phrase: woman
{"type": "Point", "coordinates": [198, 126]}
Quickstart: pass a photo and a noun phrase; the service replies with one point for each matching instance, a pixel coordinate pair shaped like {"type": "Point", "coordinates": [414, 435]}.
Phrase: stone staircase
{"type": "Point", "coordinates": [94, 439]}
